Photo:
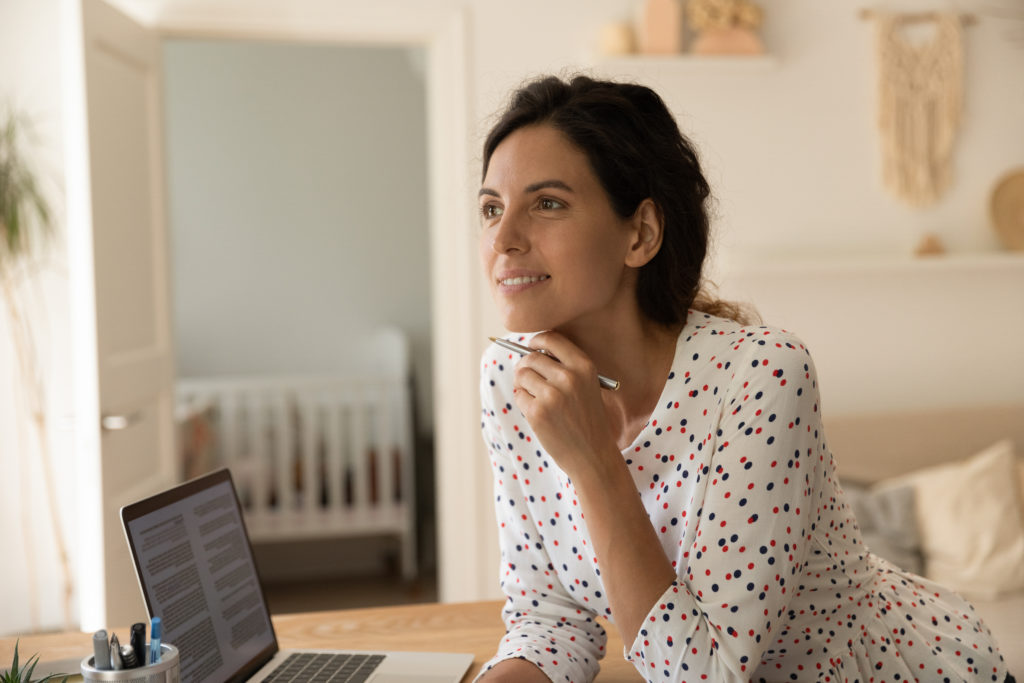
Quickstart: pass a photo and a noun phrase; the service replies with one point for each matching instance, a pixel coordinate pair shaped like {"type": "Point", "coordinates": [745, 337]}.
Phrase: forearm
{"type": "Point", "coordinates": [514, 670]}
{"type": "Point", "coordinates": [634, 568]}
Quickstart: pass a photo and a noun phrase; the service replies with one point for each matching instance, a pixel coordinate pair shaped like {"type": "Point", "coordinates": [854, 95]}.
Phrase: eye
{"type": "Point", "coordinates": [549, 204]}
{"type": "Point", "coordinates": [491, 211]}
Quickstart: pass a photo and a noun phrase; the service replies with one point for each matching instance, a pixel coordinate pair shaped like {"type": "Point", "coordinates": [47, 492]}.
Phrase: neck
{"type": "Point", "coordinates": [638, 353]}
{"type": "Point", "coordinates": [626, 350]}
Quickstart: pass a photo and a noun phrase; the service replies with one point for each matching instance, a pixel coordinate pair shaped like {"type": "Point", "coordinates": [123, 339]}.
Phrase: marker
{"type": "Point", "coordinates": [100, 650]}
{"type": "Point", "coordinates": [138, 641]}
{"type": "Point", "coordinates": [606, 382]}
{"type": "Point", "coordinates": [154, 640]}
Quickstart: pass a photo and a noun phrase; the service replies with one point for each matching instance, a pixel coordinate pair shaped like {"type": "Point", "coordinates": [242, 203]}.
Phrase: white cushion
{"type": "Point", "coordinates": [888, 523]}
{"type": "Point", "coordinates": [970, 520]}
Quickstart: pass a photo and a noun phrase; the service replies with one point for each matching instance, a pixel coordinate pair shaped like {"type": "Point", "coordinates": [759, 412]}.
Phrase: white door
{"type": "Point", "coordinates": [120, 299]}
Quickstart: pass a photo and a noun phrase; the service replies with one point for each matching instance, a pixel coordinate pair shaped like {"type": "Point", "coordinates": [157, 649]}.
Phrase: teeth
{"type": "Point", "coordinates": [523, 280]}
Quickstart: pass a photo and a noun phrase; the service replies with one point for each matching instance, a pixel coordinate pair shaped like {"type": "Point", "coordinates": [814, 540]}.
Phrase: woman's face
{"type": "Point", "coordinates": [551, 245]}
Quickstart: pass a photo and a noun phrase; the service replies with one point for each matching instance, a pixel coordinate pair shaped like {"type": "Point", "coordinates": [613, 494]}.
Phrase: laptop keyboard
{"type": "Point", "coordinates": [312, 667]}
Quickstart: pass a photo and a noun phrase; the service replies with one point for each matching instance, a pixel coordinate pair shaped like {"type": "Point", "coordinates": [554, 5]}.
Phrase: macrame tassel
{"type": "Point", "coordinates": [920, 99]}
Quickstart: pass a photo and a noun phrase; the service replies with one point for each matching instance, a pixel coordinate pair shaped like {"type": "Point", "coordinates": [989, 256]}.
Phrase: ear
{"type": "Point", "coordinates": [648, 230]}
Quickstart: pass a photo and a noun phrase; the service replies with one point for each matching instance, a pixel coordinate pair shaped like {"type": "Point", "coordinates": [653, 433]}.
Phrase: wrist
{"type": "Point", "coordinates": [603, 474]}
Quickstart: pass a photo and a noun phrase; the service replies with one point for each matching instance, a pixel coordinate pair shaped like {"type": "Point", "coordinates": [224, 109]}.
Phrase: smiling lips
{"type": "Point", "coordinates": [522, 280]}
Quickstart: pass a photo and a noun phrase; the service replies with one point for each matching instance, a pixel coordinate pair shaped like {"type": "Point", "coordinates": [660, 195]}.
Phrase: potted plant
{"type": "Point", "coordinates": [16, 675]}
{"type": "Point", "coordinates": [25, 230]}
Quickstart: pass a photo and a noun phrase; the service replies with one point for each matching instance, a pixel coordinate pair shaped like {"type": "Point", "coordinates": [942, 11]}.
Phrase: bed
{"type": "Point", "coordinates": [312, 456]}
{"type": "Point", "coordinates": [943, 488]}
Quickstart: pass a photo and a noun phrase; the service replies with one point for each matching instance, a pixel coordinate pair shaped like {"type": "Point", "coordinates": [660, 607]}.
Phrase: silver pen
{"type": "Point", "coordinates": [606, 382]}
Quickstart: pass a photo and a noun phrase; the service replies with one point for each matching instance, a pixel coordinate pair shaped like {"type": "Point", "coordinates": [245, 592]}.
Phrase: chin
{"type": "Point", "coordinates": [525, 324]}
{"type": "Point", "coordinates": [532, 324]}
{"type": "Point", "coordinates": [521, 328]}
{"type": "Point", "coordinates": [523, 321]}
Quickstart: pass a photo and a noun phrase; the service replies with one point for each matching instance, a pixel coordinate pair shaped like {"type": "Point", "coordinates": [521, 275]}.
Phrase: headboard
{"type": "Point", "coordinates": [870, 447]}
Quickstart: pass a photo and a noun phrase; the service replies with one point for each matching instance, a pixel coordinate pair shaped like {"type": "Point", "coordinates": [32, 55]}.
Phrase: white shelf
{"type": "Point", "coordinates": [952, 261]}
{"type": "Point", "coordinates": [629, 63]}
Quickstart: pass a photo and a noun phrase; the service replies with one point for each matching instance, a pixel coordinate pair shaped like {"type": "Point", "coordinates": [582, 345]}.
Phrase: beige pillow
{"type": "Point", "coordinates": [969, 515]}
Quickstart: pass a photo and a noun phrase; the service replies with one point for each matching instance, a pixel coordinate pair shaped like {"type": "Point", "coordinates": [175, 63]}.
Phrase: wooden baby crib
{"type": "Point", "coordinates": [312, 457]}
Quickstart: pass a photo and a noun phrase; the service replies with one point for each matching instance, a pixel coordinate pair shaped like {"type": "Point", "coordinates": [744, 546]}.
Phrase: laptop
{"type": "Point", "coordinates": [196, 569]}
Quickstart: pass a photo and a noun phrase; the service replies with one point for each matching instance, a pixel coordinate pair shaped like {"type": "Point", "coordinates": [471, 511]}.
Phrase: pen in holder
{"type": "Point", "coordinates": [167, 670]}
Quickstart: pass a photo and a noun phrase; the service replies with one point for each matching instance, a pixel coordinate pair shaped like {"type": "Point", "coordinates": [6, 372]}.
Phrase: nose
{"type": "Point", "coordinates": [509, 235]}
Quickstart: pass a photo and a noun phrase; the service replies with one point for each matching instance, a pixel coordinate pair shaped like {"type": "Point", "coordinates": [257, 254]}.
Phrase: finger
{"type": "Point", "coordinates": [537, 399]}
{"type": "Point", "coordinates": [567, 353]}
{"type": "Point", "coordinates": [536, 384]}
{"type": "Point", "coordinates": [548, 367]}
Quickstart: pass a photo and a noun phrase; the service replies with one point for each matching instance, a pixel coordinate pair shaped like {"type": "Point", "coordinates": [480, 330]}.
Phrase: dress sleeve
{"type": "Point", "coordinates": [544, 625]}
{"type": "Point", "coordinates": [720, 616]}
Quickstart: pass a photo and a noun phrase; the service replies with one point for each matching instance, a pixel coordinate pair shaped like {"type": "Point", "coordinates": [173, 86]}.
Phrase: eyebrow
{"type": "Point", "coordinates": [532, 187]}
{"type": "Point", "coordinates": [544, 184]}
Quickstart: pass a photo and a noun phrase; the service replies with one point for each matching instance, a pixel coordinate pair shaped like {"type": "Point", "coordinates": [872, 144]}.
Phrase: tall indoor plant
{"type": "Point", "coordinates": [26, 226]}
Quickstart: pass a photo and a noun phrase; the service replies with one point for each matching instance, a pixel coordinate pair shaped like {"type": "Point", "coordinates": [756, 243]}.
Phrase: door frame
{"type": "Point", "coordinates": [467, 539]}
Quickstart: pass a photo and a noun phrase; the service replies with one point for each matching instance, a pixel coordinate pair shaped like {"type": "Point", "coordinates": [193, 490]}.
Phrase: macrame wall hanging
{"type": "Point", "coordinates": [920, 100]}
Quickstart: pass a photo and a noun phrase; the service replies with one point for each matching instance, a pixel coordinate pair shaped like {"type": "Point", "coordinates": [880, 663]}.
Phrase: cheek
{"type": "Point", "coordinates": [484, 249]}
{"type": "Point", "coordinates": [600, 258]}
{"type": "Point", "coordinates": [486, 254]}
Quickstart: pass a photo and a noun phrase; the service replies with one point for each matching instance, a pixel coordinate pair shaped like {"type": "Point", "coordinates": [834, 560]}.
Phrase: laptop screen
{"type": "Point", "coordinates": [197, 573]}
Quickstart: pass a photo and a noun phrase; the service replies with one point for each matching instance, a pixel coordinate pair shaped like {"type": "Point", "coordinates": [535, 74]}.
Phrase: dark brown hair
{"type": "Point", "coordinates": [637, 152]}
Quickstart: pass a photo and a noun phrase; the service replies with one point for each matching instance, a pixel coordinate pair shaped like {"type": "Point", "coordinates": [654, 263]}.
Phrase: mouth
{"type": "Point", "coordinates": [522, 280]}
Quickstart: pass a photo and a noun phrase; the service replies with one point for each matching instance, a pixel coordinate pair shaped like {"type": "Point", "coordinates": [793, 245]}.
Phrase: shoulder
{"type": "Point", "coordinates": [728, 338]}
{"type": "Point", "coordinates": [745, 352]}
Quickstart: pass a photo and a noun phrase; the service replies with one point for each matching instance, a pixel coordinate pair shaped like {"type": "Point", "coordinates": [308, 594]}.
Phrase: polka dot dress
{"type": "Point", "coordinates": [773, 580]}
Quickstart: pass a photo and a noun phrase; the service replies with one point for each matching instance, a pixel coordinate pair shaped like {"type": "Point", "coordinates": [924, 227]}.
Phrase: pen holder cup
{"type": "Point", "coordinates": [167, 670]}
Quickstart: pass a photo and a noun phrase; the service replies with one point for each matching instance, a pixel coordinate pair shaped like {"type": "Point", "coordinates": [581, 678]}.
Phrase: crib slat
{"type": "Point", "coordinates": [230, 436]}
{"type": "Point", "coordinates": [257, 449]}
{"type": "Point", "coordinates": [334, 453]}
{"type": "Point", "coordinates": [385, 448]}
{"type": "Point", "coordinates": [402, 410]}
{"type": "Point", "coordinates": [309, 410]}
{"type": "Point", "coordinates": [282, 449]}
{"type": "Point", "coordinates": [228, 409]}
{"type": "Point", "coordinates": [358, 454]}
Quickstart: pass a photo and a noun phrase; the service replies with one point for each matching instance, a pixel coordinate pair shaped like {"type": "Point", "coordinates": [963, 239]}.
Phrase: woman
{"type": "Point", "coordinates": [697, 506]}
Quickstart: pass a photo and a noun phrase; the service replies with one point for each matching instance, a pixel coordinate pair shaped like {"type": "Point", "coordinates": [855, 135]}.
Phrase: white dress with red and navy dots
{"type": "Point", "coordinates": [773, 580]}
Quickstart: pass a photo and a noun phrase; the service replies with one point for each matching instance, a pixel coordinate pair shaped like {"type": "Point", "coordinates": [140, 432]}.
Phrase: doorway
{"type": "Point", "coordinates": [299, 222]}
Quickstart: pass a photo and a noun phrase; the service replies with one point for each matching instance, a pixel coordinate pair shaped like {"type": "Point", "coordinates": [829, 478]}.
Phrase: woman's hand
{"type": "Point", "coordinates": [559, 394]}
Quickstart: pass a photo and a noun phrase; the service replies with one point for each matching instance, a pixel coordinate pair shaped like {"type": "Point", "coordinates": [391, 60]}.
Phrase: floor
{"type": "Point", "coordinates": [312, 595]}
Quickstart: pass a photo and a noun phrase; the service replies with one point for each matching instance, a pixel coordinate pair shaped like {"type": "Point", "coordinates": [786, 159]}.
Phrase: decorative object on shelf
{"type": "Point", "coordinates": [725, 27]}
{"type": "Point", "coordinates": [930, 245]}
{"type": "Point", "coordinates": [618, 38]}
{"type": "Point", "coordinates": [920, 102]}
{"type": "Point", "coordinates": [661, 30]}
{"type": "Point", "coordinates": [1007, 209]}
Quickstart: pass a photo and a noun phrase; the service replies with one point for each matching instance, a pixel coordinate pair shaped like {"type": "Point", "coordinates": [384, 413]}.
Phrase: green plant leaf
{"type": "Point", "coordinates": [24, 675]}
{"type": "Point", "coordinates": [25, 219]}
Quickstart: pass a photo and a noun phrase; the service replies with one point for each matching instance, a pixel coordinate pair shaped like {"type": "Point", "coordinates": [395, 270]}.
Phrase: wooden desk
{"type": "Point", "coordinates": [463, 627]}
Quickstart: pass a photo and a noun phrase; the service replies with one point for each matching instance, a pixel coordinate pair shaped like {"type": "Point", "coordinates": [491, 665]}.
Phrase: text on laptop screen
{"type": "Point", "coordinates": [200, 578]}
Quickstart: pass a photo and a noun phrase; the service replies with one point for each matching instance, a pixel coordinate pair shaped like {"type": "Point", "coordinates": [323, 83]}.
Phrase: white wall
{"type": "Point", "coordinates": [31, 579]}
{"type": "Point", "coordinates": [298, 205]}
